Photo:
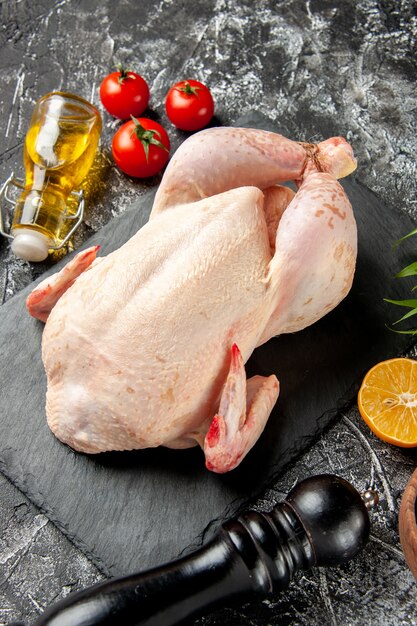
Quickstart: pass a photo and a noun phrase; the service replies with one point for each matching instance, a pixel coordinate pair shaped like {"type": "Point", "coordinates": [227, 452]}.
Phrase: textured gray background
{"type": "Point", "coordinates": [325, 68]}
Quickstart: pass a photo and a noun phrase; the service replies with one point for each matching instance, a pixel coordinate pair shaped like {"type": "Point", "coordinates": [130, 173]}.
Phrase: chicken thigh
{"type": "Point", "coordinates": [229, 258]}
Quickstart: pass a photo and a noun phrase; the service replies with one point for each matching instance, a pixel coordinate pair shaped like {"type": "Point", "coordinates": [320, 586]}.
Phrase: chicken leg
{"type": "Point", "coordinates": [219, 159]}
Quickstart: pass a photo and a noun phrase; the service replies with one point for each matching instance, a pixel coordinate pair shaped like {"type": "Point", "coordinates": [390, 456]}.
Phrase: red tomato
{"type": "Point", "coordinates": [124, 93]}
{"type": "Point", "coordinates": [141, 147]}
{"type": "Point", "coordinates": [189, 105]}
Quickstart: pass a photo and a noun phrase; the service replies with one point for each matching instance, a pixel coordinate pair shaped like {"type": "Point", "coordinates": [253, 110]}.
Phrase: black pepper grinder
{"type": "Point", "coordinates": [323, 521]}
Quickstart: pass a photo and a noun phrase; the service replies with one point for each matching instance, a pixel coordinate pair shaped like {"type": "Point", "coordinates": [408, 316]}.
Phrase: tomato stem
{"type": "Point", "coordinates": [188, 90]}
{"type": "Point", "coordinates": [146, 137]}
{"type": "Point", "coordinates": [124, 74]}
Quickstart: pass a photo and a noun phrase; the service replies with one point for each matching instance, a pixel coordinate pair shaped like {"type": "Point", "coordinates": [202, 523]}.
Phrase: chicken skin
{"type": "Point", "coordinates": [146, 346]}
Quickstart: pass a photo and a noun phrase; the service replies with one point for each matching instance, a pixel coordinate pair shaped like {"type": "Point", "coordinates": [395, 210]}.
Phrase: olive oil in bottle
{"type": "Point", "coordinates": [59, 150]}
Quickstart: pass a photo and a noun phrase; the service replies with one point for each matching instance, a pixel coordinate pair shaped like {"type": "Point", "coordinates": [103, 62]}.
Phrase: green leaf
{"type": "Point", "coordinates": [411, 304]}
{"type": "Point", "coordinates": [410, 234]}
{"type": "Point", "coordinates": [410, 270]}
{"type": "Point", "coordinates": [406, 316]}
{"type": "Point", "coordinates": [404, 332]}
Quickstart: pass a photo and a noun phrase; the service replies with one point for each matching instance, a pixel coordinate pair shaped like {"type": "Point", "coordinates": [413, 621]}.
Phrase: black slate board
{"type": "Point", "coordinates": [130, 511]}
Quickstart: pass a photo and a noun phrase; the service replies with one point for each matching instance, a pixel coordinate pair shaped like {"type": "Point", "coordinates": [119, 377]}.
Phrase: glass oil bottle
{"type": "Point", "coordinates": [59, 150]}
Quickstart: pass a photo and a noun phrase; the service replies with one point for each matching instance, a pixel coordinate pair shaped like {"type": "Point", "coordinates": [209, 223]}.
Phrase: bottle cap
{"type": "Point", "coordinates": [30, 245]}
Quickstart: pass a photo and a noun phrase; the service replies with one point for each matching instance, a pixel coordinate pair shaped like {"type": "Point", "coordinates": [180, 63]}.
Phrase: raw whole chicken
{"type": "Point", "coordinates": [229, 258]}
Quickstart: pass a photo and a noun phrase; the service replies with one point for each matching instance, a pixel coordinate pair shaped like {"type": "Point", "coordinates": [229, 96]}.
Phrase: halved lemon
{"type": "Point", "coordinates": [387, 401]}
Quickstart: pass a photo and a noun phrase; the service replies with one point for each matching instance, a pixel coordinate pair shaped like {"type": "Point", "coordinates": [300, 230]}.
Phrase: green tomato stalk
{"type": "Point", "coordinates": [146, 137]}
{"type": "Point", "coordinates": [124, 74]}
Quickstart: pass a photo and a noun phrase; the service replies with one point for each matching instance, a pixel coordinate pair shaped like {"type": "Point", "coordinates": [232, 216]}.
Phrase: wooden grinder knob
{"type": "Point", "coordinates": [408, 523]}
{"type": "Point", "coordinates": [323, 521]}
